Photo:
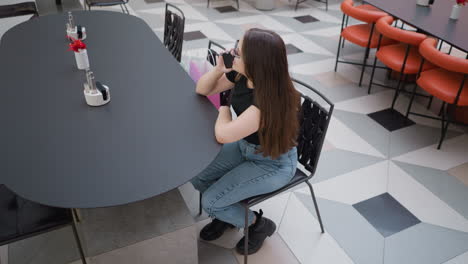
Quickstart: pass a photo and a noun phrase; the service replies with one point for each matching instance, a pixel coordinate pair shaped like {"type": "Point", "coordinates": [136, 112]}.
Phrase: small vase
{"type": "Point", "coordinates": [455, 12]}
{"type": "Point", "coordinates": [422, 2]}
{"type": "Point", "coordinates": [82, 61]}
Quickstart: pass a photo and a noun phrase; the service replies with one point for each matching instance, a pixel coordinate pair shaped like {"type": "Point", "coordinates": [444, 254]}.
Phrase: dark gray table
{"type": "Point", "coordinates": [154, 135]}
{"type": "Point", "coordinates": [433, 20]}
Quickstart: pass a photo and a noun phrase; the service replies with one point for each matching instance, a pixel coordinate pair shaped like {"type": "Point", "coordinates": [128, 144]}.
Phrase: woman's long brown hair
{"type": "Point", "coordinates": [266, 65]}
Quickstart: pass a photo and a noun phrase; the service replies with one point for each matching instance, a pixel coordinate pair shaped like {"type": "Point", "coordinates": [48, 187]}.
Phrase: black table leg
{"type": "Point", "coordinates": [77, 237]}
{"type": "Point", "coordinates": [58, 2]}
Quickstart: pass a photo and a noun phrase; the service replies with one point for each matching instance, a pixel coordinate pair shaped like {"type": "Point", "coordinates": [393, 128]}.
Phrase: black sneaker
{"type": "Point", "coordinates": [214, 230]}
{"type": "Point", "coordinates": [258, 232]}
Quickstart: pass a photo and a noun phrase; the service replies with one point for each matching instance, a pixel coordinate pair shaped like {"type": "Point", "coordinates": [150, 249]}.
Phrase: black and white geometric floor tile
{"type": "Point", "coordinates": [393, 198]}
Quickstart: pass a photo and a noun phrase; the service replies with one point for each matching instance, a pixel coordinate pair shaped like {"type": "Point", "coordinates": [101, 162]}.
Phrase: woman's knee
{"type": "Point", "coordinates": [197, 184]}
{"type": "Point", "coordinates": [208, 201]}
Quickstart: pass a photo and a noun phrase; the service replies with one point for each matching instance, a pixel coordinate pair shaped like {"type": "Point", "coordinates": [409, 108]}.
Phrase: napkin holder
{"type": "Point", "coordinates": [77, 32]}
{"type": "Point", "coordinates": [95, 93]}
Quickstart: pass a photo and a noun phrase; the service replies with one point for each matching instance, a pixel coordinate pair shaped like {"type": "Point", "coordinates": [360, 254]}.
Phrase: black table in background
{"type": "Point", "coordinates": [433, 20]}
{"type": "Point", "coordinates": [154, 135]}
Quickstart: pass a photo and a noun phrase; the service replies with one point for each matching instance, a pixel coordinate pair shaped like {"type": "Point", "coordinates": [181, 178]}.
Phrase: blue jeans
{"type": "Point", "coordinates": [238, 173]}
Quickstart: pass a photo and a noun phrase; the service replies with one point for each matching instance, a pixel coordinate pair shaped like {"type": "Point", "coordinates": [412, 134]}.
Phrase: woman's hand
{"type": "Point", "coordinates": [220, 64]}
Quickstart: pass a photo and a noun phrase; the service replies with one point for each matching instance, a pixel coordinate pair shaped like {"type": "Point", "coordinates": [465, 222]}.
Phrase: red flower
{"type": "Point", "coordinates": [78, 45]}
{"type": "Point", "coordinates": [462, 2]}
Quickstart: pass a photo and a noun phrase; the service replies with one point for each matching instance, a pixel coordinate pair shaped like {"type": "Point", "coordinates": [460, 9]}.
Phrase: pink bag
{"type": "Point", "coordinates": [196, 70]}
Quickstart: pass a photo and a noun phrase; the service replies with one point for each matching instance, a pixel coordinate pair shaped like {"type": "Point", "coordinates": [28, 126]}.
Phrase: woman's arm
{"type": "Point", "coordinates": [228, 130]}
{"type": "Point", "coordinates": [214, 81]}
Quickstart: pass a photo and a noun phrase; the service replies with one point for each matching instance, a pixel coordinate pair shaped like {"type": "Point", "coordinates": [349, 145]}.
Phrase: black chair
{"type": "Point", "coordinates": [174, 31]}
{"type": "Point", "coordinates": [314, 121]}
{"type": "Point", "coordinates": [208, 4]}
{"type": "Point", "coordinates": [213, 53]}
{"type": "Point", "coordinates": [302, 1]}
{"type": "Point", "coordinates": [103, 3]}
{"type": "Point", "coordinates": [20, 9]}
{"type": "Point", "coordinates": [21, 219]}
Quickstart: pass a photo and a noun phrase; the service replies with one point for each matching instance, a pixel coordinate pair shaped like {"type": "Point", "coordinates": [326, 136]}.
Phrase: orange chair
{"type": "Point", "coordinates": [449, 83]}
{"type": "Point", "coordinates": [402, 57]}
{"type": "Point", "coordinates": [363, 35]}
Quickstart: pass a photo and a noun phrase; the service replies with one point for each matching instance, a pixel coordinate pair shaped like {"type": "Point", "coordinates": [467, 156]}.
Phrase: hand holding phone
{"type": "Point", "coordinates": [228, 59]}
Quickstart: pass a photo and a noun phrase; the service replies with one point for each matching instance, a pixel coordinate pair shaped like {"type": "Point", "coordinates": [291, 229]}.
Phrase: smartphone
{"type": "Point", "coordinates": [228, 59]}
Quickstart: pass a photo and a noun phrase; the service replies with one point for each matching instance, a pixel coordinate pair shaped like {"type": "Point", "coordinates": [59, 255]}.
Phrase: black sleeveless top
{"type": "Point", "coordinates": [242, 98]}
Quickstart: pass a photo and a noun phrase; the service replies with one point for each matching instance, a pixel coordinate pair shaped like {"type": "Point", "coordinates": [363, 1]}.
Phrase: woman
{"type": "Point", "coordinates": [259, 154]}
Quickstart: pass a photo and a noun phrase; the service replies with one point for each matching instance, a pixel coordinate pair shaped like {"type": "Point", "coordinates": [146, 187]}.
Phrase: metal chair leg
{"type": "Point", "coordinates": [429, 104]}
{"type": "Point", "coordinates": [77, 239]}
{"type": "Point", "coordinates": [411, 100]}
{"type": "Point", "coordinates": [397, 91]}
{"type": "Point", "coordinates": [77, 215]}
{"type": "Point", "coordinates": [345, 25]}
{"type": "Point", "coordinates": [237, 1]}
{"type": "Point", "coordinates": [246, 234]}
{"type": "Point", "coordinates": [441, 108]}
{"type": "Point", "coordinates": [316, 206]}
{"type": "Point", "coordinates": [339, 42]}
{"type": "Point", "coordinates": [338, 52]}
{"type": "Point", "coordinates": [389, 74]}
{"type": "Point", "coordinates": [366, 54]}
{"type": "Point", "coordinates": [207, 3]}
{"type": "Point", "coordinates": [372, 75]}
{"type": "Point", "coordinates": [364, 65]}
{"type": "Point", "coordinates": [199, 204]}
{"type": "Point", "coordinates": [444, 127]}
{"type": "Point", "coordinates": [126, 8]}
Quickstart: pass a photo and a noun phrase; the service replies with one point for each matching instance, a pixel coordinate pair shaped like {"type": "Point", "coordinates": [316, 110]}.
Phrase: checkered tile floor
{"type": "Point", "coordinates": [386, 194]}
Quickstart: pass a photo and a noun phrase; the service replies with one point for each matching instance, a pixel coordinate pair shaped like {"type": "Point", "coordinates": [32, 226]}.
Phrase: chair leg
{"type": "Point", "coordinates": [237, 2]}
{"type": "Point", "coordinates": [326, 5]}
{"type": "Point", "coordinates": [338, 52]}
{"type": "Point", "coordinates": [411, 100]}
{"type": "Point", "coordinates": [246, 234]}
{"type": "Point", "coordinates": [446, 120]}
{"type": "Point", "coordinates": [77, 239]}
{"type": "Point", "coordinates": [297, 4]}
{"type": "Point", "coordinates": [126, 9]}
{"type": "Point", "coordinates": [397, 91]}
{"type": "Point", "coordinates": [316, 206]}
{"type": "Point", "coordinates": [207, 3]}
{"type": "Point", "coordinates": [366, 55]}
{"type": "Point", "coordinates": [372, 75]}
{"type": "Point", "coordinates": [77, 215]}
{"type": "Point", "coordinates": [199, 204]}
{"type": "Point", "coordinates": [429, 104]}
{"type": "Point", "coordinates": [441, 108]}
{"type": "Point", "coordinates": [345, 25]}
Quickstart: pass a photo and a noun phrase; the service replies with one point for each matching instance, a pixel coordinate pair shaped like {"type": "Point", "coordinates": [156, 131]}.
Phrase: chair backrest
{"type": "Point", "coordinates": [19, 9]}
{"type": "Point", "coordinates": [361, 14]}
{"type": "Point", "coordinates": [213, 53]}
{"type": "Point", "coordinates": [314, 120]}
{"type": "Point", "coordinates": [21, 218]}
{"type": "Point", "coordinates": [384, 26]}
{"type": "Point", "coordinates": [429, 51]}
{"type": "Point", "coordinates": [174, 31]}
